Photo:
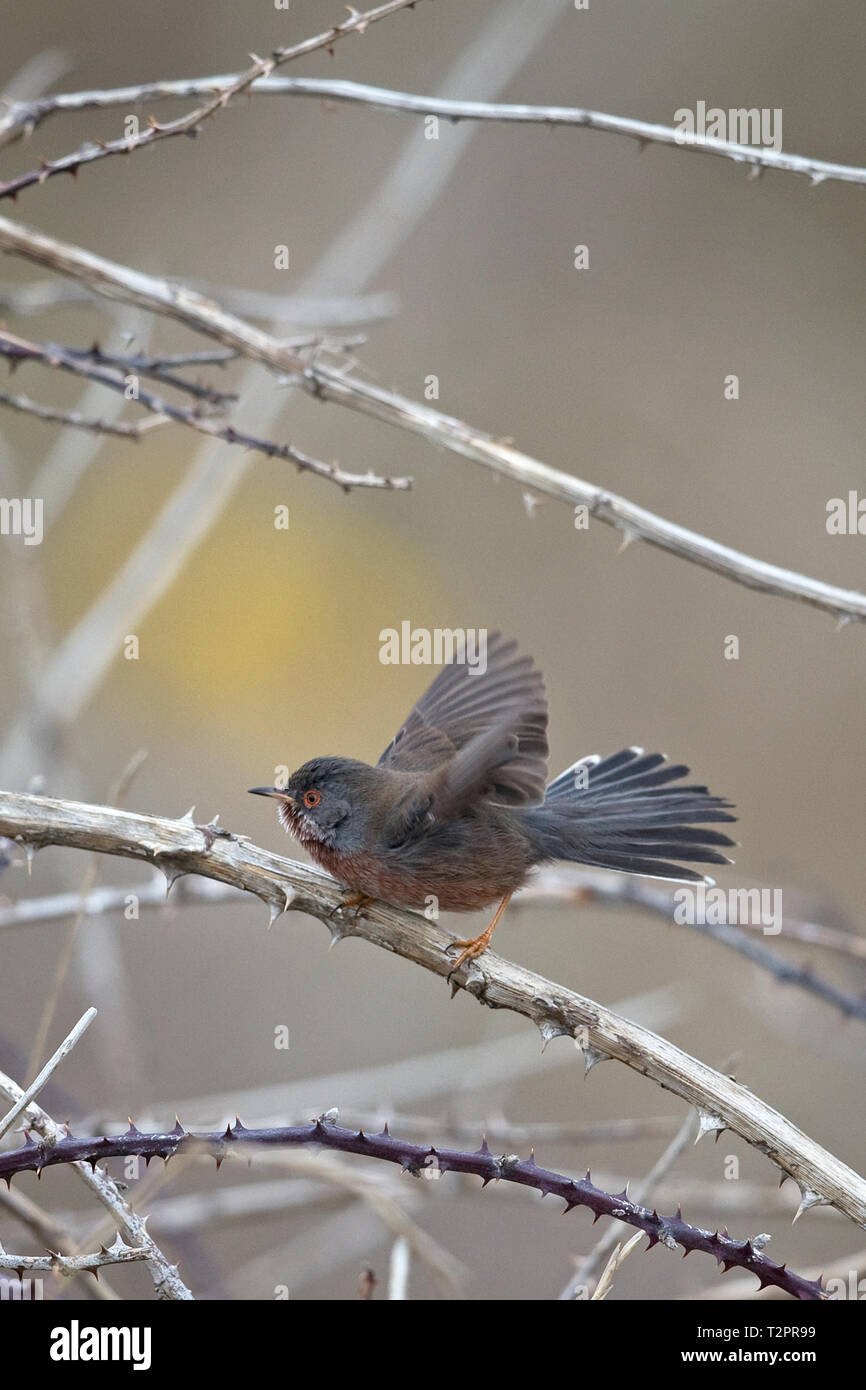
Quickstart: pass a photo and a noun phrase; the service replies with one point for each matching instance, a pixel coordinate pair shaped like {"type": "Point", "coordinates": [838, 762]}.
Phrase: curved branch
{"type": "Point", "coordinates": [670, 1231]}
{"type": "Point", "coordinates": [24, 116]}
{"type": "Point", "coordinates": [180, 847]}
{"type": "Point", "coordinates": [327, 383]}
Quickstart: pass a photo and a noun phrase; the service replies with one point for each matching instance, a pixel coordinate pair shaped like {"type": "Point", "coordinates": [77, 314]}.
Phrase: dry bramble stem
{"type": "Point", "coordinates": [23, 117]}
{"type": "Point", "coordinates": [74, 420]}
{"type": "Point", "coordinates": [51, 355]}
{"type": "Point", "coordinates": [166, 1278]}
{"type": "Point", "coordinates": [160, 369]}
{"type": "Point", "coordinates": [191, 123]}
{"type": "Point", "coordinates": [55, 1262]}
{"type": "Point", "coordinates": [327, 383]}
{"type": "Point", "coordinates": [418, 1160]}
{"type": "Point", "coordinates": [180, 847]}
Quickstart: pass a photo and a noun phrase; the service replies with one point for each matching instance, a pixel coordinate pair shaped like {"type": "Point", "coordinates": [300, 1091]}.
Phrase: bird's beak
{"type": "Point", "coordinates": [272, 791]}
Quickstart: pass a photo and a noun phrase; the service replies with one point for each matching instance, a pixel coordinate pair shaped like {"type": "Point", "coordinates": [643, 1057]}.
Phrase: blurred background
{"type": "Point", "coordinates": [260, 647]}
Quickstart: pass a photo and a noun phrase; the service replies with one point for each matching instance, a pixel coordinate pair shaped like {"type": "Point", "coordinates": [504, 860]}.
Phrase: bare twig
{"type": "Point", "coordinates": [327, 383]}
{"type": "Point", "coordinates": [166, 1279]}
{"type": "Point", "coordinates": [418, 1159]}
{"type": "Point", "coordinates": [52, 355]}
{"type": "Point", "coordinates": [58, 1263]}
{"type": "Point", "coordinates": [161, 369]}
{"type": "Point", "coordinates": [47, 1071]}
{"type": "Point", "coordinates": [178, 847]}
{"type": "Point", "coordinates": [72, 418]}
{"type": "Point", "coordinates": [52, 1234]}
{"type": "Point", "coordinates": [24, 116]}
{"type": "Point", "coordinates": [191, 123]}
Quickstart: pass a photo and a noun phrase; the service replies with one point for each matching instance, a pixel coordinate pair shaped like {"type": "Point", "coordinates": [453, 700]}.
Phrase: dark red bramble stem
{"type": "Point", "coordinates": [418, 1160]}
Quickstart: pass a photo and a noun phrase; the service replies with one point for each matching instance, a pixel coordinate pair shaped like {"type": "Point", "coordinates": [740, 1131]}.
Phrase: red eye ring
{"type": "Point", "coordinates": [312, 797]}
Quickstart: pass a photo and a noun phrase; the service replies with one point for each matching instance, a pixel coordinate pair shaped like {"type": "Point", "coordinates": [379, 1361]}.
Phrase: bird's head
{"type": "Point", "coordinates": [325, 801]}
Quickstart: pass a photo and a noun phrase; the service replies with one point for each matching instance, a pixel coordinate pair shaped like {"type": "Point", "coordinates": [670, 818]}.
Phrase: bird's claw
{"type": "Point", "coordinates": [472, 949]}
{"type": "Point", "coordinates": [357, 901]}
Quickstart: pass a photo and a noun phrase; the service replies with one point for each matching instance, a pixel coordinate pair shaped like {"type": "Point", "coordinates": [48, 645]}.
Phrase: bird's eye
{"type": "Point", "coordinates": [312, 797]}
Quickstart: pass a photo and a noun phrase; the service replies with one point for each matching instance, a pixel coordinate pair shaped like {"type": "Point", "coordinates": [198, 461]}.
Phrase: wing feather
{"type": "Point", "coordinates": [474, 736]}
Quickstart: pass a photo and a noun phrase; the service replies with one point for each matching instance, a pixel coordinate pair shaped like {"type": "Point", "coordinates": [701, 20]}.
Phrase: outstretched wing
{"type": "Point", "coordinates": [483, 735]}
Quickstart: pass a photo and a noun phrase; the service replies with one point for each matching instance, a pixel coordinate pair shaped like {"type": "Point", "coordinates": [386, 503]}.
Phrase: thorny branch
{"type": "Point", "coordinates": [52, 355]}
{"type": "Point", "coordinates": [418, 1160]}
{"type": "Point", "coordinates": [180, 847]}
{"type": "Point", "coordinates": [591, 1269]}
{"type": "Point", "coordinates": [165, 1276]}
{"type": "Point", "coordinates": [55, 1262]}
{"type": "Point", "coordinates": [332, 384]}
{"type": "Point", "coordinates": [75, 420]}
{"type": "Point", "coordinates": [52, 1235]}
{"type": "Point", "coordinates": [161, 369]}
{"type": "Point", "coordinates": [23, 117]}
{"type": "Point", "coordinates": [47, 1071]}
{"type": "Point", "coordinates": [191, 123]}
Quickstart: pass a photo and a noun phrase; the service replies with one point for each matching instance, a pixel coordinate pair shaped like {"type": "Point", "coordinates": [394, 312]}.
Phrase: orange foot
{"type": "Point", "coordinates": [476, 947]}
{"type": "Point", "coordinates": [472, 949]}
{"type": "Point", "coordinates": [356, 900]}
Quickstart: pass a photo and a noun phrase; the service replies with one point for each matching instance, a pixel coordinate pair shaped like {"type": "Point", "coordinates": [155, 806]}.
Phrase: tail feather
{"type": "Point", "coordinates": [648, 868]}
{"type": "Point", "coordinates": [637, 766]}
{"type": "Point", "coordinates": [690, 811]}
{"type": "Point", "coordinates": [620, 813]}
{"type": "Point", "coordinates": [673, 835]}
{"type": "Point", "coordinates": [658, 778]}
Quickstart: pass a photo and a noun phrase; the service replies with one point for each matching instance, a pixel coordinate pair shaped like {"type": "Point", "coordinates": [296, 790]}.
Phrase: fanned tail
{"type": "Point", "coordinates": [622, 813]}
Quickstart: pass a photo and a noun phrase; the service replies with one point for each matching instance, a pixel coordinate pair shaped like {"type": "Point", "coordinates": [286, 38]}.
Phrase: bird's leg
{"type": "Point", "coordinates": [356, 900]}
{"type": "Point", "coordinates": [476, 947]}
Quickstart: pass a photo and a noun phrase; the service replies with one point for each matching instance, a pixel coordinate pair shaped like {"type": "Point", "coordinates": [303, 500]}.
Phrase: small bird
{"type": "Point", "coordinates": [456, 811]}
